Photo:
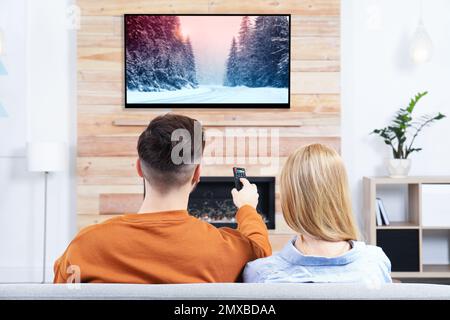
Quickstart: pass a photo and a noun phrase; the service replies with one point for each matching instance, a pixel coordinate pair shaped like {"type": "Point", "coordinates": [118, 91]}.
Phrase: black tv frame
{"type": "Point", "coordinates": [205, 105]}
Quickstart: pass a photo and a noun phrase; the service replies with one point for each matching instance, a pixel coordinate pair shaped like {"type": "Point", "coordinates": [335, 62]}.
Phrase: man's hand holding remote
{"type": "Point", "coordinates": [248, 195]}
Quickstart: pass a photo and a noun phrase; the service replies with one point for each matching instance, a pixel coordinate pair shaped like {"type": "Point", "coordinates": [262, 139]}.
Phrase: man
{"type": "Point", "coordinates": [162, 243]}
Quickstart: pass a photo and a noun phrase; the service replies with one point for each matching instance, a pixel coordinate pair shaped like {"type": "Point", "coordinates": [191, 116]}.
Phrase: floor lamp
{"type": "Point", "coordinates": [46, 157]}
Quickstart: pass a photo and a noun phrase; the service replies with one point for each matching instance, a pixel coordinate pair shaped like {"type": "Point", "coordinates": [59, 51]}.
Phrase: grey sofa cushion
{"type": "Point", "coordinates": [223, 291]}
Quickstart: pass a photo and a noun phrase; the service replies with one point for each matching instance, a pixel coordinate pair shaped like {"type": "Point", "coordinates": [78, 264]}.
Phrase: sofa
{"type": "Point", "coordinates": [225, 291]}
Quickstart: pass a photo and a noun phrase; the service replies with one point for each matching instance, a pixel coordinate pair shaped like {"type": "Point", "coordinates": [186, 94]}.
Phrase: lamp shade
{"type": "Point", "coordinates": [46, 156]}
{"type": "Point", "coordinates": [421, 49]}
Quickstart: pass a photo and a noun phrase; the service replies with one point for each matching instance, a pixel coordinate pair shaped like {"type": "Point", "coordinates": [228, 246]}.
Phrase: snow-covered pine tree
{"type": "Point", "coordinates": [260, 53]}
{"type": "Point", "coordinates": [176, 73]}
{"type": "Point", "coordinates": [244, 53]}
{"type": "Point", "coordinates": [280, 40]}
{"type": "Point", "coordinates": [138, 31]}
{"type": "Point", "coordinates": [156, 55]}
{"type": "Point", "coordinates": [269, 53]}
{"type": "Point", "coordinates": [190, 63]}
{"type": "Point", "coordinates": [232, 71]}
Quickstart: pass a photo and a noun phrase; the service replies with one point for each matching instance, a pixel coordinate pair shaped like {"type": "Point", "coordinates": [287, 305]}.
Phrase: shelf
{"type": "Point", "coordinates": [437, 268]}
{"type": "Point", "coordinates": [429, 271]}
{"type": "Point", "coordinates": [225, 123]}
{"type": "Point", "coordinates": [410, 180]}
{"type": "Point", "coordinates": [435, 228]}
{"type": "Point", "coordinates": [399, 225]}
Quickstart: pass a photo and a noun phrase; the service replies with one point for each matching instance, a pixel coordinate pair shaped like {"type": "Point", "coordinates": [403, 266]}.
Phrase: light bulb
{"type": "Point", "coordinates": [421, 46]}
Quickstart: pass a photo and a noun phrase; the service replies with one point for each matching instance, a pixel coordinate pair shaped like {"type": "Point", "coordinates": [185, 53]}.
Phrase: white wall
{"type": "Point", "coordinates": [378, 77]}
{"type": "Point", "coordinates": [40, 58]}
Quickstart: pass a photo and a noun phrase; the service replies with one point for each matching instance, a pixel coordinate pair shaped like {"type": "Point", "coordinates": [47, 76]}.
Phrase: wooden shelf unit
{"type": "Point", "coordinates": [412, 222]}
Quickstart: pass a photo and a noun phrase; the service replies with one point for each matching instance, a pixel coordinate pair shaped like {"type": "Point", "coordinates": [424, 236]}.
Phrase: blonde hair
{"type": "Point", "coordinates": [315, 195]}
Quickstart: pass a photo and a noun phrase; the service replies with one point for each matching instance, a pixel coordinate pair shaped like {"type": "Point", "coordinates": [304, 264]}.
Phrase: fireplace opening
{"type": "Point", "coordinates": [211, 201]}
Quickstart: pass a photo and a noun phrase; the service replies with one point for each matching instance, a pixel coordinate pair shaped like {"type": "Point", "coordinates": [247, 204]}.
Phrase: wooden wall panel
{"type": "Point", "coordinates": [125, 146]}
{"type": "Point", "coordinates": [297, 7]}
{"type": "Point", "coordinates": [107, 181]}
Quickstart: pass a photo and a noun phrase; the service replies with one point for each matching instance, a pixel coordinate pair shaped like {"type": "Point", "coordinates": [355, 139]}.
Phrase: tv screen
{"type": "Point", "coordinates": [207, 61]}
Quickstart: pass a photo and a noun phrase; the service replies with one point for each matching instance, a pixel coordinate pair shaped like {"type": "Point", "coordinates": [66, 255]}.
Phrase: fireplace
{"type": "Point", "coordinates": [211, 200]}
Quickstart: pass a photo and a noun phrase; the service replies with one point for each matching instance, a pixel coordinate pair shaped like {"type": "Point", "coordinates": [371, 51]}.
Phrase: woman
{"type": "Point", "coordinates": [316, 205]}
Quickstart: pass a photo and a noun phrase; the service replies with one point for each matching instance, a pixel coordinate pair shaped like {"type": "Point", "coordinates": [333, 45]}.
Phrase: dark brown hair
{"type": "Point", "coordinates": [155, 146]}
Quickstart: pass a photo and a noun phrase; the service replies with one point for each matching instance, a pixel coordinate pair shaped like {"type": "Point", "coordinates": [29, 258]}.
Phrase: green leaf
{"type": "Point", "coordinates": [415, 100]}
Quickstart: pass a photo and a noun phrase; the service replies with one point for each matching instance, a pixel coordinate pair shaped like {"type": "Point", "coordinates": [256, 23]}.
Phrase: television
{"type": "Point", "coordinates": [207, 61]}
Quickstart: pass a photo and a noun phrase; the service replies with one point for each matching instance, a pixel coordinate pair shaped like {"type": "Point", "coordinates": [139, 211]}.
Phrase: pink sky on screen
{"type": "Point", "coordinates": [211, 40]}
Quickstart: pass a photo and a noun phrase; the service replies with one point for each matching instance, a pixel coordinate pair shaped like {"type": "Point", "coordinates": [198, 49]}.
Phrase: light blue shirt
{"type": "Point", "coordinates": [361, 264]}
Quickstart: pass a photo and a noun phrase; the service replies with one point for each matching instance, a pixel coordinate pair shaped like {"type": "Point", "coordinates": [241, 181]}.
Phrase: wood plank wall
{"type": "Point", "coordinates": [107, 182]}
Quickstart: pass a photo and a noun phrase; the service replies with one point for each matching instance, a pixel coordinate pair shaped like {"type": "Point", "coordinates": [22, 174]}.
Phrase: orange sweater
{"type": "Point", "coordinates": [164, 247]}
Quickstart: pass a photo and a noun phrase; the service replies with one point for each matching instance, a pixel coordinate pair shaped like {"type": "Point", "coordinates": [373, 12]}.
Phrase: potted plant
{"type": "Point", "coordinates": [401, 134]}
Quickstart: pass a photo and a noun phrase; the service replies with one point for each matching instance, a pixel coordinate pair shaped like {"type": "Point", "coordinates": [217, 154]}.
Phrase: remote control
{"type": "Point", "coordinates": [238, 174]}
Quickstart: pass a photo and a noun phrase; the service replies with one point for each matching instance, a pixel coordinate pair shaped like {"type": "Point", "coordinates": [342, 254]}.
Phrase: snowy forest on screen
{"type": "Point", "coordinates": [207, 59]}
{"type": "Point", "coordinates": [260, 55]}
{"type": "Point", "coordinates": [158, 57]}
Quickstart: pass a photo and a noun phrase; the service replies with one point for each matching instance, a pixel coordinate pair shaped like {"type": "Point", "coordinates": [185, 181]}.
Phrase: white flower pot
{"type": "Point", "coordinates": [398, 168]}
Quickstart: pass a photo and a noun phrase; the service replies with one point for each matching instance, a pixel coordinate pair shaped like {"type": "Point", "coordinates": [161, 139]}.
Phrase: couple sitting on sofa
{"type": "Point", "coordinates": [162, 243]}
